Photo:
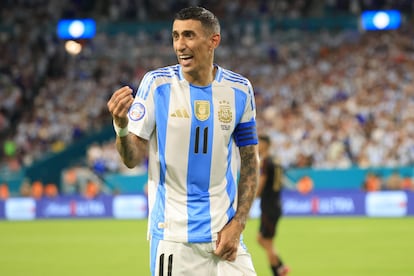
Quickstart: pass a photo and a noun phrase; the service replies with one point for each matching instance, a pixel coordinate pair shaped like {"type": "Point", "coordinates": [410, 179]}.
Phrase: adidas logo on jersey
{"type": "Point", "coordinates": [180, 113]}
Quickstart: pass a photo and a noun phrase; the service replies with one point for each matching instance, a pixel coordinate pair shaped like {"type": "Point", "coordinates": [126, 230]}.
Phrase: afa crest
{"type": "Point", "coordinates": [202, 110]}
{"type": "Point", "coordinates": [225, 114]}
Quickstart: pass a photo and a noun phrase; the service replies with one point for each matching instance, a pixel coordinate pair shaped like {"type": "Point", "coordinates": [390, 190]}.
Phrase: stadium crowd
{"type": "Point", "coordinates": [329, 99]}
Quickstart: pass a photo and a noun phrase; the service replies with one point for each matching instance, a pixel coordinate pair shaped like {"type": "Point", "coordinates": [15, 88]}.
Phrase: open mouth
{"type": "Point", "coordinates": [185, 60]}
{"type": "Point", "coordinates": [185, 57]}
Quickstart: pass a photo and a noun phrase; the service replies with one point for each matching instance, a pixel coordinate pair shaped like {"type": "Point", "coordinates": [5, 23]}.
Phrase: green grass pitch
{"type": "Point", "coordinates": [311, 246]}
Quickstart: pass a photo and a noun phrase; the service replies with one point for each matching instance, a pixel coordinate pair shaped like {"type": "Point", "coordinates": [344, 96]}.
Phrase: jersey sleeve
{"type": "Point", "coordinates": [141, 113]}
{"type": "Point", "coordinates": [245, 133]}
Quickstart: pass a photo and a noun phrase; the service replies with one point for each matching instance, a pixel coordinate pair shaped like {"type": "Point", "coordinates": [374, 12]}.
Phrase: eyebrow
{"type": "Point", "coordinates": [185, 32]}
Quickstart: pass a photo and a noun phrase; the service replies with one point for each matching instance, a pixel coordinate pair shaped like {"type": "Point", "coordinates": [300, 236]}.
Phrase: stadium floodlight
{"type": "Point", "coordinates": [380, 20]}
{"type": "Point", "coordinates": [76, 28]}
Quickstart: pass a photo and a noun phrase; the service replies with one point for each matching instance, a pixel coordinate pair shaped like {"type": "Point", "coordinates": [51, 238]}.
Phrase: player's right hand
{"type": "Point", "coordinates": [119, 104]}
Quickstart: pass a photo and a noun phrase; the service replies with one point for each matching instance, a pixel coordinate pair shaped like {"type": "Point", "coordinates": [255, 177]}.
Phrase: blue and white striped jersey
{"type": "Point", "coordinates": [193, 132]}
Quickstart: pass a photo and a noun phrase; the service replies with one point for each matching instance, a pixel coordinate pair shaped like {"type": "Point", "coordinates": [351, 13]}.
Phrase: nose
{"type": "Point", "coordinates": [179, 44]}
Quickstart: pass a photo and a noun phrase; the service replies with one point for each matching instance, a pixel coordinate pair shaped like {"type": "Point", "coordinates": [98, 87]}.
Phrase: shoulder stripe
{"type": "Point", "coordinates": [231, 73]}
{"type": "Point", "coordinates": [150, 77]}
{"type": "Point", "coordinates": [234, 77]}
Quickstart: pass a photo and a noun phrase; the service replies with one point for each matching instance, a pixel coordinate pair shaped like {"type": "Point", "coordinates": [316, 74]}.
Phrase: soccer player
{"type": "Point", "coordinates": [270, 185]}
{"type": "Point", "coordinates": [196, 118]}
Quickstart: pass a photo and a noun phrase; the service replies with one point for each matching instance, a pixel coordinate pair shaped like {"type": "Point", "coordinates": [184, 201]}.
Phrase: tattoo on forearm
{"type": "Point", "coordinates": [249, 176]}
{"type": "Point", "coordinates": [131, 150]}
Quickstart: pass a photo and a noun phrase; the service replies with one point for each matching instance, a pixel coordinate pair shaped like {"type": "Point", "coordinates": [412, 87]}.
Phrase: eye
{"type": "Point", "coordinates": [188, 34]}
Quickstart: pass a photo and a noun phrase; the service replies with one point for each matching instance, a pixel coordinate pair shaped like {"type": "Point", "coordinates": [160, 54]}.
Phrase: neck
{"type": "Point", "coordinates": [202, 77]}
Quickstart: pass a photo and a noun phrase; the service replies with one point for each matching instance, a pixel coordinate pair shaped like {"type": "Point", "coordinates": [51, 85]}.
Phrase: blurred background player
{"type": "Point", "coordinates": [269, 189]}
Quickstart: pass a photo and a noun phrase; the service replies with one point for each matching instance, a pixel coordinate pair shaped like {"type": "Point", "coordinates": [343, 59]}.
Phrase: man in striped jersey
{"type": "Point", "coordinates": [197, 121]}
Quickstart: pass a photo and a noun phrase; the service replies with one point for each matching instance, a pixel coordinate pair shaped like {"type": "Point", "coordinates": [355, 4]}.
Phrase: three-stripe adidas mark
{"type": "Point", "coordinates": [180, 113]}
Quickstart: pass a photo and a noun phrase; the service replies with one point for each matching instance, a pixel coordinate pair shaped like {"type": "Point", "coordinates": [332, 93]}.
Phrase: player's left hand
{"type": "Point", "coordinates": [228, 241]}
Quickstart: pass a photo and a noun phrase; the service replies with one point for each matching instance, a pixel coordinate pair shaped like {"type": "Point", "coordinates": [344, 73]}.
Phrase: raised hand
{"type": "Point", "coordinates": [119, 104]}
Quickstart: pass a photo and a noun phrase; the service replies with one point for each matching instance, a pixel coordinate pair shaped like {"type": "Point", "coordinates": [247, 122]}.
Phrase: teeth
{"type": "Point", "coordinates": [185, 56]}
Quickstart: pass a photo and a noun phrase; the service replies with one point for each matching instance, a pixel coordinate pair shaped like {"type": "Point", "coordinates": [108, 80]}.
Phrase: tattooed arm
{"type": "Point", "coordinates": [228, 238]}
{"type": "Point", "coordinates": [131, 148]}
{"type": "Point", "coordinates": [249, 177]}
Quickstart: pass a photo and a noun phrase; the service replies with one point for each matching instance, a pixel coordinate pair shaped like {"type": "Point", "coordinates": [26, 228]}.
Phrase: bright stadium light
{"type": "Point", "coordinates": [380, 20]}
{"type": "Point", "coordinates": [76, 28]}
{"type": "Point", "coordinates": [73, 47]}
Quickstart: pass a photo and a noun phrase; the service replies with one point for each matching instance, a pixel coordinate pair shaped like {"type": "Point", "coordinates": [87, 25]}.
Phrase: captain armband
{"type": "Point", "coordinates": [245, 134]}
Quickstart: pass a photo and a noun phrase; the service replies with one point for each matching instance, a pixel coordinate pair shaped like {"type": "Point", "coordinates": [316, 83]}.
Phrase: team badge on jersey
{"type": "Point", "coordinates": [136, 112]}
{"type": "Point", "coordinates": [224, 114]}
{"type": "Point", "coordinates": [202, 110]}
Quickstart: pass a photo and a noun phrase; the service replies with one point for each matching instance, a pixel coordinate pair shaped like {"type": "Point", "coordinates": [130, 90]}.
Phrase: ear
{"type": "Point", "coordinates": [215, 40]}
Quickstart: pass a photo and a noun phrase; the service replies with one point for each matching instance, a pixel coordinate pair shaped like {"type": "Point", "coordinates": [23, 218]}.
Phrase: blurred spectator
{"type": "Point", "coordinates": [304, 185]}
{"type": "Point", "coordinates": [408, 183]}
{"type": "Point", "coordinates": [51, 190]}
{"type": "Point", "coordinates": [4, 191]}
{"type": "Point", "coordinates": [37, 190]}
{"type": "Point", "coordinates": [372, 183]}
{"type": "Point", "coordinates": [394, 181]}
{"type": "Point", "coordinates": [9, 148]}
{"type": "Point", "coordinates": [82, 180]}
{"type": "Point", "coordinates": [25, 189]}
{"type": "Point", "coordinates": [92, 189]}
{"type": "Point", "coordinates": [105, 159]}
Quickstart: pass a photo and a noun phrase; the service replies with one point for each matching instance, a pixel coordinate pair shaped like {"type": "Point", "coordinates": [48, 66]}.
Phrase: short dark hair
{"type": "Point", "coordinates": [209, 21]}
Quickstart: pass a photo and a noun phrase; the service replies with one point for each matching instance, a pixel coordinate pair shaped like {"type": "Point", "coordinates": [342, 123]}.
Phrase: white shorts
{"type": "Point", "coordinates": [181, 259]}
